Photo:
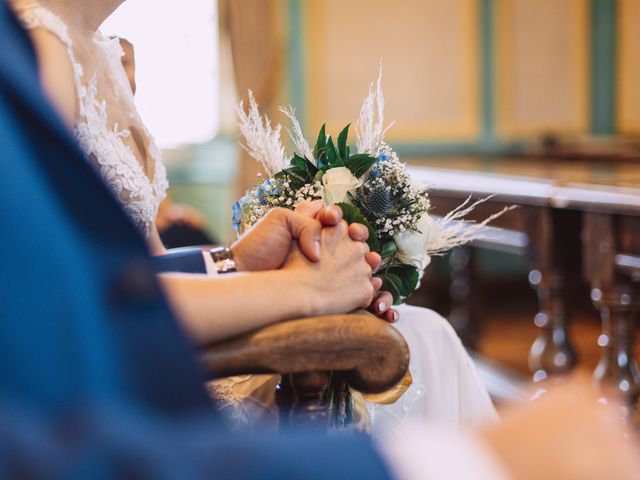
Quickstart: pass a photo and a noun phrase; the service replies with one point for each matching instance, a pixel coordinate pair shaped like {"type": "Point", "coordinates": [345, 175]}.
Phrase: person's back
{"type": "Point", "coordinates": [96, 378]}
{"type": "Point", "coordinates": [68, 240]}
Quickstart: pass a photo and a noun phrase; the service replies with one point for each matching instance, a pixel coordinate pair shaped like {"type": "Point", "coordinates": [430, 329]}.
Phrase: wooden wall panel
{"type": "Point", "coordinates": [430, 52]}
{"type": "Point", "coordinates": [542, 66]}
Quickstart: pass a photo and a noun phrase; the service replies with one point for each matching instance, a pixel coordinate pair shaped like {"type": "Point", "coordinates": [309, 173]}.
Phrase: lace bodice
{"type": "Point", "coordinates": [129, 163]}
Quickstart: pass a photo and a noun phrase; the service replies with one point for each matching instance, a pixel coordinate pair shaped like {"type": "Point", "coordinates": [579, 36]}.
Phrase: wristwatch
{"type": "Point", "coordinates": [223, 259]}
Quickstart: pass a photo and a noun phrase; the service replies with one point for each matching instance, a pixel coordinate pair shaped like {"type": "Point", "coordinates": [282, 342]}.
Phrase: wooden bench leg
{"type": "Point", "coordinates": [463, 314]}
{"type": "Point", "coordinates": [617, 367]}
{"type": "Point", "coordinates": [555, 259]}
{"type": "Point", "coordinates": [551, 352]}
{"type": "Point", "coordinates": [617, 300]}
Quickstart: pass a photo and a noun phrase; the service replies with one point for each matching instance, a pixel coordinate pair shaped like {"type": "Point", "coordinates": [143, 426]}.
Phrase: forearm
{"type": "Point", "coordinates": [219, 307]}
{"type": "Point", "coordinates": [155, 243]}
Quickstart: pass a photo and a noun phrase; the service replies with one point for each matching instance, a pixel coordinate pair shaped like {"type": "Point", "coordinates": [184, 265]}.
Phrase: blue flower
{"type": "Point", "coordinates": [237, 214]}
{"type": "Point", "coordinates": [269, 187]}
{"type": "Point", "coordinates": [375, 171]}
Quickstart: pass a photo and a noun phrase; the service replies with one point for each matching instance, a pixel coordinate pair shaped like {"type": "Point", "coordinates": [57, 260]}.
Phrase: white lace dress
{"type": "Point", "coordinates": [108, 127]}
{"type": "Point", "coordinates": [445, 386]}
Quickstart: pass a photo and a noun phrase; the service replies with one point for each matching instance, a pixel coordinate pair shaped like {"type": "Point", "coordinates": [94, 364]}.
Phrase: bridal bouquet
{"type": "Point", "coordinates": [370, 184]}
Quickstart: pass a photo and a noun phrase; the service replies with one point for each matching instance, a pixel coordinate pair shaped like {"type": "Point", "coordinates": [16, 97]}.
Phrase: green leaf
{"type": "Point", "coordinates": [333, 159]}
{"type": "Point", "coordinates": [389, 249]}
{"type": "Point", "coordinates": [353, 215]}
{"type": "Point", "coordinates": [400, 280]}
{"type": "Point", "coordinates": [320, 150]}
{"type": "Point", "coordinates": [342, 143]}
{"type": "Point", "coordinates": [300, 172]}
{"type": "Point", "coordinates": [304, 167]}
{"type": "Point", "coordinates": [360, 163]}
{"type": "Point", "coordinates": [294, 176]}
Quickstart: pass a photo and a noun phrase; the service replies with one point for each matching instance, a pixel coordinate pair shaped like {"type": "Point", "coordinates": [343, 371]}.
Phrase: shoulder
{"type": "Point", "coordinates": [56, 73]}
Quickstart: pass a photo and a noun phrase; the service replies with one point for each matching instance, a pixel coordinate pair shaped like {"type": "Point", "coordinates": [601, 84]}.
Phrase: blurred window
{"type": "Point", "coordinates": [177, 67]}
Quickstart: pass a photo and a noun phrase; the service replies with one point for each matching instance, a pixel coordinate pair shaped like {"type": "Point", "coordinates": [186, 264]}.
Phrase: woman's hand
{"type": "Point", "coordinates": [267, 245]}
{"type": "Point", "coordinates": [381, 307]}
{"type": "Point", "coordinates": [341, 280]}
{"type": "Point", "coordinates": [331, 215]}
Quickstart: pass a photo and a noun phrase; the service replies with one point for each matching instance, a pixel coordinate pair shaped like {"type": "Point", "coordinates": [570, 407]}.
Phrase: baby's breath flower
{"type": "Point", "coordinates": [274, 193]}
{"type": "Point", "coordinates": [389, 199]}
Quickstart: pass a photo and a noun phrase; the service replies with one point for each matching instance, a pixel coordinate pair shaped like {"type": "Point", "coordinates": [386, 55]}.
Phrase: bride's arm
{"type": "Point", "coordinates": [155, 242]}
{"type": "Point", "coordinates": [56, 74]}
{"type": "Point", "coordinates": [217, 307]}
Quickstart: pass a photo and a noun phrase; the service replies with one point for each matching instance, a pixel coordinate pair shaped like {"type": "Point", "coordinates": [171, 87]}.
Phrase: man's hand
{"type": "Point", "coordinates": [266, 245]}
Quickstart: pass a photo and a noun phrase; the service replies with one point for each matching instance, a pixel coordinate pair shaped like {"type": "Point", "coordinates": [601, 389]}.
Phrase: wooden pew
{"type": "Point", "coordinates": [366, 353]}
{"type": "Point", "coordinates": [578, 221]}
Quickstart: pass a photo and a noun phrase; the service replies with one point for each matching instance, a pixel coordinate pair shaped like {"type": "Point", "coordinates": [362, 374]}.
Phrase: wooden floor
{"type": "Point", "coordinates": [508, 337]}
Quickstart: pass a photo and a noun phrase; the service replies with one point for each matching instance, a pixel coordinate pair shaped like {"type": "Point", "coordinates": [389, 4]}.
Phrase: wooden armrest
{"type": "Point", "coordinates": [372, 354]}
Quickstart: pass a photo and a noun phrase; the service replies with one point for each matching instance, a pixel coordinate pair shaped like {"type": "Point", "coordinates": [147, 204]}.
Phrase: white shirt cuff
{"type": "Point", "coordinates": [438, 454]}
{"type": "Point", "coordinates": [208, 263]}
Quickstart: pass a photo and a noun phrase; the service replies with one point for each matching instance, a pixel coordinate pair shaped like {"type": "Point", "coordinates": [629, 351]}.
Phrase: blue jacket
{"type": "Point", "coordinates": [96, 378]}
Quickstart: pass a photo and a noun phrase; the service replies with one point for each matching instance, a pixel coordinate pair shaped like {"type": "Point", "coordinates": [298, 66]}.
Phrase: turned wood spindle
{"type": "Point", "coordinates": [461, 293]}
{"type": "Point", "coordinates": [555, 259]}
{"type": "Point", "coordinates": [617, 367]}
{"type": "Point", "coordinates": [552, 351]}
{"type": "Point", "coordinates": [309, 408]}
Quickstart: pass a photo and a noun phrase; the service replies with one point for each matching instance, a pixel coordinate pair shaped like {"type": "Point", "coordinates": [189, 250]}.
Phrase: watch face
{"type": "Point", "coordinates": [226, 266]}
{"type": "Point", "coordinates": [223, 260]}
{"type": "Point", "coordinates": [220, 253]}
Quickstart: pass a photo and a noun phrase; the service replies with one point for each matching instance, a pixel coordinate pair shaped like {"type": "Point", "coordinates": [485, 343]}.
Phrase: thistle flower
{"type": "Point", "coordinates": [378, 199]}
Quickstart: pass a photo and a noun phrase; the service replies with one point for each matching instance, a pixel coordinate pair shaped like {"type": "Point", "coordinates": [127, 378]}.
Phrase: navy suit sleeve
{"type": "Point", "coordinates": [184, 261]}
{"type": "Point", "coordinates": [109, 441]}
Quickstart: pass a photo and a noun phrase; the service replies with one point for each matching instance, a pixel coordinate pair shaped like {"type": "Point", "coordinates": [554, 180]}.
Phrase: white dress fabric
{"type": "Point", "coordinates": [445, 386]}
{"type": "Point", "coordinates": [108, 127]}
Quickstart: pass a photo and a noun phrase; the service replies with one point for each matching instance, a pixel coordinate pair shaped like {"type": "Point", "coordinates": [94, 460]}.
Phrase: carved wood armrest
{"type": "Point", "coordinates": [372, 354]}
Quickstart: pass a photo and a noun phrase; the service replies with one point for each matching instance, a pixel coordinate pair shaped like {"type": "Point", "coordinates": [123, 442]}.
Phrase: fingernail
{"type": "Point", "coordinates": [396, 317]}
{"type": "Point", "coordinates": [382, 307]}
{"type": "Point", "coordinates": [316, 248]}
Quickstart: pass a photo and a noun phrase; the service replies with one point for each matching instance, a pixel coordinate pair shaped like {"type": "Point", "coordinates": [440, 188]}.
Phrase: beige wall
{"type": "Point", "coordinates": [542, 66]}
{"type": "Point", "coordinates": [629, 66]}
{"type": "Point", "coordinates": [431, 51]}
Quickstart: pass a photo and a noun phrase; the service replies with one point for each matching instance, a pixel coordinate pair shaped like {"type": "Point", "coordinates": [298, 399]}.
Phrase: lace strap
{"type": "Point", "coordinates": [34, 16]}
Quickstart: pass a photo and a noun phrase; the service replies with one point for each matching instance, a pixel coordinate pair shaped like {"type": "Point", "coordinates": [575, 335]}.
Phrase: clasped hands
{"type": "Point", "coordinates": [316, 243]}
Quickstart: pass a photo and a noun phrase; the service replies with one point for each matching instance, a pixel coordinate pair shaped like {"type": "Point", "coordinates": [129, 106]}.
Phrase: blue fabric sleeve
{"type": "Point", "coordinates": [184, 261]}
{"type": "Point", "coordinates": [109, 441]}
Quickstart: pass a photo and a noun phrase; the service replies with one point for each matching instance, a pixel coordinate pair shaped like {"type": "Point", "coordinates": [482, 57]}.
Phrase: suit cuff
{"type": "Point", "coordinates": [189, 260]}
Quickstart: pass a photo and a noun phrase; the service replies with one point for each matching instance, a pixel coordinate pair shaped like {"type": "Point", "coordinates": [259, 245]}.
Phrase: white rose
{"type": "Point", "coordinates": [337, 183]}
{"type": "Point", "coordinates": [412, 245]}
